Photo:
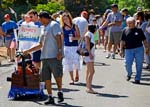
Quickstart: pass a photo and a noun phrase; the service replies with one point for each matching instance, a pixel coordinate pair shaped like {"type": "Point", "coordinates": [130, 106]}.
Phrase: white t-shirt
{"type": "Point", "coordinates": [91, 36]}
{"type": "Point", "coordinates": [82, 24]}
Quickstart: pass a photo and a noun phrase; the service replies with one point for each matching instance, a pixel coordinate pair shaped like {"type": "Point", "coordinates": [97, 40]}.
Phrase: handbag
{"type": "Point", "coordinates": [82, 48]}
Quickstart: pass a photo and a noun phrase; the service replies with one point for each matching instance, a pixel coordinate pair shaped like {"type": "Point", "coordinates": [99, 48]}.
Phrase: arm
{"type": "Point", "coordinates": [35, 48]}
{"type": "Point", "coordinates": [87, 42]}
{"type": "Point", "coordinates": [59, 45]}
{"type": "Point", "coordinates": [1, 32]}
{"type": "Point", "coordinates": [122, 44]}
{"type": "Point", "coordinates": [117, 23]}
{"type": "Point", "coordinates": [59, 41]}
{"type": "Point", "coordinates": [77, 33]}
{"type": "Point", "coordinates": [146, 47]}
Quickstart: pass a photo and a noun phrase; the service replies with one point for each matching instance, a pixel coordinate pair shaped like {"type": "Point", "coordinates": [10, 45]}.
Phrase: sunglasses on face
{"type": "Point", "coordinates": [31, 17]}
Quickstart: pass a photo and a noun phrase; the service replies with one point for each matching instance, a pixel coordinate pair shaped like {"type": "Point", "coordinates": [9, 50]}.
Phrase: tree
{"type": "Point", "coordinates": [51, 7]}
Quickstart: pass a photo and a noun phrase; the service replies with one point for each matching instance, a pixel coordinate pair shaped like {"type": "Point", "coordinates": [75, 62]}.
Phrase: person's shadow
{"type": "Point", "coordinates": [111, 95]}
{"type": "Point", "coordinates": [84, 84]}
{"type": "Point", "coordinates": [100, 64]}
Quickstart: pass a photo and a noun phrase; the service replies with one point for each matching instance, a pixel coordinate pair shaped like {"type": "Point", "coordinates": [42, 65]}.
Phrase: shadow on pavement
{"type": "Point", "coordinates": [6, 65]}
{"type": "Point", "coordinates": [111, 95]}
{"type": "Point", "coordinates": [119, 59]}
{"type": "Point", "coordinates": [39, 100]}
{"type": "Point", "coordinates": [66, 105]}
{"type": "Point", "coordinates": [144, 77]}
{"type": "Point", "coordinates": [66, 89]}
{"type": "Point", "coordinates": [100, 64]}
{"type": "Point", "coordinates": [84, 84]}
{"type": "Point", "coordinates": [141, 83]}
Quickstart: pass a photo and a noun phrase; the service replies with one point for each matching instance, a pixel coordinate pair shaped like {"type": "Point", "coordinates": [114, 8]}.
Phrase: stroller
{"type": "Point", "coordinates": [25, 80]}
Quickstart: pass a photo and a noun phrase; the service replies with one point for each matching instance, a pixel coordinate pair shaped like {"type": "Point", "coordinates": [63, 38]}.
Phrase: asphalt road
{"type": "Point", "coordinates": [109, 81]}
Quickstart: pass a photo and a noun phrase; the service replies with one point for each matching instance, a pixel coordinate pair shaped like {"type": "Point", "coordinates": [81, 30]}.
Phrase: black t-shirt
{"type": "Point", "coordinates": [133, 37]}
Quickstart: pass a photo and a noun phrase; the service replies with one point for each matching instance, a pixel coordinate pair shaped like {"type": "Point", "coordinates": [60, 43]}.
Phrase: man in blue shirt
{"type": "Point", "coordinates": [7, 27]}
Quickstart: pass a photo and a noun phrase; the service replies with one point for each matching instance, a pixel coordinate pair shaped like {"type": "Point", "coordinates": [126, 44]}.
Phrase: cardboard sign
{"type": "Point", "coordinates": [29, 33]}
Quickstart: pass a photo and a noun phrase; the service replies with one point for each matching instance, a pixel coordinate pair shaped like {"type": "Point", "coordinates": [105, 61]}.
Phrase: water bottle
{"type": "Point", "coordinates": [70, 37]}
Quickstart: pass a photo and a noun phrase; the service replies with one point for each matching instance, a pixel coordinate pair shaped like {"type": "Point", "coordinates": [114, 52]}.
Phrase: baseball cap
{"type": "Point", "coordinates": [44, 14]}
{"type": "Point", "coordinates": [6, 16]}
{"type": "Point", "coordinates": [84, 12]}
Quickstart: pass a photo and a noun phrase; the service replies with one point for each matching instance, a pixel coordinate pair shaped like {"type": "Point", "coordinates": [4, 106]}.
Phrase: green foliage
{"type": "Point", "coordinates": [51, 7]}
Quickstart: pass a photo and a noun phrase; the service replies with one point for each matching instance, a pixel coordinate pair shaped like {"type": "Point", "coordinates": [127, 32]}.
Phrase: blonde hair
{"type": "Point", "coordinates": [62, 24]}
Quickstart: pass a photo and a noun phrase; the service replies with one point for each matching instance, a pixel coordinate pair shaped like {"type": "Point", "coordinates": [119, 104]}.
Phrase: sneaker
{"type": "Point", "coordinates": [136, 82]}
{"type": "Point", "coordinates": [113, 56]}
{"type": "Point", "coordinates": [50, 101]}
{"type": "Point", "coordinates": [128, 78]}
{"type": "Point", "coordinates": [60, 97]}
{"type": "Point", "coordinates": [108, 55]}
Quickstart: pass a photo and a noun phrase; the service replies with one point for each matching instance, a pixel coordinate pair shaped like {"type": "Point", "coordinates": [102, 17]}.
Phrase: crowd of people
{"type": "Point", "coordinates": [56, 51]}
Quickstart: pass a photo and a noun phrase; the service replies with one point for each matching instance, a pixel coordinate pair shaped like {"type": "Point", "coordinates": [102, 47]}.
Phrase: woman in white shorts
{"type": "Point", "coordinates": [89, 60]}
{"type": "Point", "coordinates": [71, 60]}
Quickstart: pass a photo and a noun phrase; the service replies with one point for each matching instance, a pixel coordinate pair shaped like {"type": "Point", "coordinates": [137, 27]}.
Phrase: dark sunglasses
{"type": "Point", "coordinates": [31, 16]}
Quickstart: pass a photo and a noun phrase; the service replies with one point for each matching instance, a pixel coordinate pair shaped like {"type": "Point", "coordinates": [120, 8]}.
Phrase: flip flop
{"type": "Point", "coordinates": [71, 83]}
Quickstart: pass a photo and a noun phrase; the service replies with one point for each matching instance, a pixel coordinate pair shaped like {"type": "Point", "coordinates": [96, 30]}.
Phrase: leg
{"type": "Point", "coordinates": [37, 65]}
{"type": "Point", "coordinates": [9, 53]}
{"type": "Point", "coordinates": [109, 49]}
{"type": "Point", "coordinates": [105, 42]}
{"type": "Point", "coordinates": [139, 57]}
{"type": "Point", "coordinates": [77, 76]}
{"type": "Point", "coordinates": [12, 54]}
{"type": "Point", "coordinates": [48, 85]}
{"type": "Point", "coordinates": [89, 75]}
{"type": "Point", "coordinates": [129, 57]}
{"type": "Point", "coordinates": [72, 77]}
{"type": "Point", "coordinates": [59, 83]}
{"type": "Point", "coordinates": [58, 74]}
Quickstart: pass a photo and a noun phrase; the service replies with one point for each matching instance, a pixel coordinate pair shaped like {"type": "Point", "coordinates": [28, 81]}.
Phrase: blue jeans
{"type": "Point", "coordinates": [138, 55]}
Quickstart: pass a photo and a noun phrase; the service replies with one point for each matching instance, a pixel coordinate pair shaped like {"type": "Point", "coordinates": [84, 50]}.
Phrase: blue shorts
{"type": "Point", "coordinates": [36, 56]}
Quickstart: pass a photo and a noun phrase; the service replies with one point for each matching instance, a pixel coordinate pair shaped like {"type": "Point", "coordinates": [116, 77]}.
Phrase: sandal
{"type": "Point", "coordinates": [91, 92]}
{"type": "Point", "coordinates": [71, 83]}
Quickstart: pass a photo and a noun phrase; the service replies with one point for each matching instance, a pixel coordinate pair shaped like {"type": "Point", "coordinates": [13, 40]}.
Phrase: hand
{"type": "Point", "coordinates": [112, 23]}
{"type": "Point", "coordinates": [59, 56]}
{"type": "Point", "coordinates": [26, 52]}
{"type": "Point", "coordinates": [91, 56]}
{"type": "Point", "coordinates": [100, 28]}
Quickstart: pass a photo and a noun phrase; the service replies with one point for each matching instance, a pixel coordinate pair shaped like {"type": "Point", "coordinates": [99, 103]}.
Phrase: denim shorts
{"type": "Point", "coordinates": [51, 66]}
{"type": "Point", "coordinates": [36, 56]}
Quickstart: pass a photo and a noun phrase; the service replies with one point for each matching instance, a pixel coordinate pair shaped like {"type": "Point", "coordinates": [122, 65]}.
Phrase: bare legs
{"type": "Point", "coordinates": [89, 77]}
{"type": "Point", "coordinates": [76, 79]}
{"type": "Point", "coordinates": [48, 84]}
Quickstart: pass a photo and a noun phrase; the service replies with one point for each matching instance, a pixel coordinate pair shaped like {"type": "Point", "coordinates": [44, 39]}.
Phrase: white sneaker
{"type": "Point", "coordinates": [108, 55]}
